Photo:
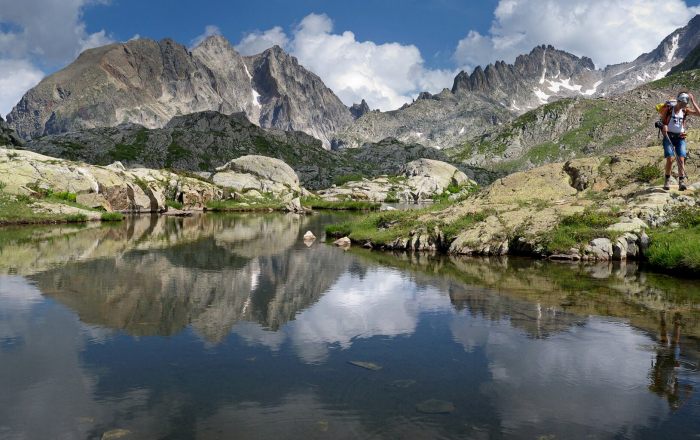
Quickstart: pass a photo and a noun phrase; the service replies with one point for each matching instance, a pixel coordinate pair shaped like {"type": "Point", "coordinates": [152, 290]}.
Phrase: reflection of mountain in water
{"type": "Point", "coordinates": [234, 269]}
{"type": "Point", "coordinates": [543, 298]}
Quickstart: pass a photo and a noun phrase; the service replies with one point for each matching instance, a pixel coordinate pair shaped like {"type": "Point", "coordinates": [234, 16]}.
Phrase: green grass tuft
{"type": "Point", "coordinates": [675, 249]}
{"type": "Point", "coordinates": [173, 204]}
{"type": "Point", "coordinates": [112, 217]}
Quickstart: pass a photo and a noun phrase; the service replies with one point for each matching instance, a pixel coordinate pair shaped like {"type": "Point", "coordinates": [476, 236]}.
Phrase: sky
{"type": "Point", "coordinates": [383, 51]}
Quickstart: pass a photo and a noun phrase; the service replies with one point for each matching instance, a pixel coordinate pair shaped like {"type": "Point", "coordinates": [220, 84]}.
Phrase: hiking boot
{"type": "Point", "coordinates": [681, 184]}
{"type": "Point", "coordinates": [667, 184]}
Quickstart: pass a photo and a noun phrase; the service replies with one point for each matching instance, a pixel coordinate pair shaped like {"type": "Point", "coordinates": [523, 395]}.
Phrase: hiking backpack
{"type": "Point", "coordinates": [661, 108]}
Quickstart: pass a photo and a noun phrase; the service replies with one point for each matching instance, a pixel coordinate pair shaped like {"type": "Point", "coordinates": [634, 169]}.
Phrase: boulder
{"type": "Point", "coordinates": [629, 225]}
{"type": "Point", "coordinates": [599, 249]}
{"type": "Point", "coordinates": [93, 200]}
{"type": "Point", "coordinates": [294, 206]}
{"type": "Point", "coordinates": [441, 171]}
{"type": "Point", "coordinates": [263, 167]}
{"type": "Point", "coordinates": [625, 247]}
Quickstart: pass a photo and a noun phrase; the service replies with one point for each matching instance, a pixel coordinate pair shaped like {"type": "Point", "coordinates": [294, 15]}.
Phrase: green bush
{"type": "Point", "coordinates": [647, 173]}
{"type": "Point", "coordinates": [112, 217]}
{"type": "Point", "coordinates": [685, 216]}
{"type": "Point", "coordinates": [65, 195]}
{"type": "Point", "coordinates": [173, 204]}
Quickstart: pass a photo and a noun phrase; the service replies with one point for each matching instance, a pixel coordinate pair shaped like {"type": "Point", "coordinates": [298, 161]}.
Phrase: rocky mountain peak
{"type": "Point", "coordinates": [148, 83]}
{"type": "Point", "coordinates": [357, 110]}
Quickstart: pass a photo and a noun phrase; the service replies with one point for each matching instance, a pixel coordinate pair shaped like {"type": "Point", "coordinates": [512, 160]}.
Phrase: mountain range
{"type": "Point", "coordinates": [150, 83]}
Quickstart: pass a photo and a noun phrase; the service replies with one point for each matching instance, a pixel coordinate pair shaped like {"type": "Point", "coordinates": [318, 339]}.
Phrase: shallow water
{"type": "Point", "coordinates": [230, 326]}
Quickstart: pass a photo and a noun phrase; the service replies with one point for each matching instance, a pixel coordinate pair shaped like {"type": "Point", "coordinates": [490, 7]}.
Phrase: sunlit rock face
{"type": "Point", "coordinates": [148, 82]}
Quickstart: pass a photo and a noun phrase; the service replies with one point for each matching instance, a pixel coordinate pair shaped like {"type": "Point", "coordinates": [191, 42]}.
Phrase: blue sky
{"type": "Point", "coordinates": [385, 51]}
{"type": "Point", "coordinates": [433, 27]}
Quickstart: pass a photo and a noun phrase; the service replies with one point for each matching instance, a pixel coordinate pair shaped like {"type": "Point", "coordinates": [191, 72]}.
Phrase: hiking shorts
{"type": "Point", "coordinates": [678, 144]}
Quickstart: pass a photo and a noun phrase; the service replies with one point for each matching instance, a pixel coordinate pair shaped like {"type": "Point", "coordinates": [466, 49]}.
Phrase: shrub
{"type": "Point", "coordinates": [685, 216]}
{"type": "Point", "coordinates": [65, 195]}
{"type": "Point", "coordinates": [647, 173]}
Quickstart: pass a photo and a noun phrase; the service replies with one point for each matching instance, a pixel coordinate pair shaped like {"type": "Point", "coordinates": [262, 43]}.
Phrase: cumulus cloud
{"type": "Point", "coordinates": [385, 75]}
{"type": "Point", "coordinates": [51, 29]}
{"type": "Point", "coordinates": [16, 77]}
{"type": "Point", "coordinates": [208, 32]}
{"type": "Point", "coordinates": [608, 31]}
{"type": "Point", "coordinates": [256, 42]}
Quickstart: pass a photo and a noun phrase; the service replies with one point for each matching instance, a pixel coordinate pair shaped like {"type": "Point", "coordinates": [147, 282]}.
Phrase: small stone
{"type": "Point", "coordinates": [391, 208]}
{"type": "Point", "coordinates": [115, 433]}
{"type": "Point", "coordinates": [434, 406]}
{"type": "Point", "coordinates": [309, 236]}
{"type": "Point", "coordinates": [345, 241]}
{"type": "Point", "coordinates": [365, 365]}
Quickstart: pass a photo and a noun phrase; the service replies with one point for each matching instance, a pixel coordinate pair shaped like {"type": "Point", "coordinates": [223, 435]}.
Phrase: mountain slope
{"type": "Point", "coordinates": [575, 127]}
{"type": "Point", "coordinates": [148, 82]}
{"type": "Point", "coordinates": [500, 92]}
{"type": "Point", "coordinates": [205, 140]}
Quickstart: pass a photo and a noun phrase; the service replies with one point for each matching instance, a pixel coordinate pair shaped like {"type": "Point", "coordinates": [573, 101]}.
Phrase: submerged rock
{"type": "Point", "coordinates": [341, 242]}
{"type": "Point", "coordinates": [365, 365]}
{"type": "Point", "coordinates": [434, 406]}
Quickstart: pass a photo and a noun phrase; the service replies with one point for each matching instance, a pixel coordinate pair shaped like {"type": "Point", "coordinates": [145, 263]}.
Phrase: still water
{"type": "Point", "coordinates": [230, 326]}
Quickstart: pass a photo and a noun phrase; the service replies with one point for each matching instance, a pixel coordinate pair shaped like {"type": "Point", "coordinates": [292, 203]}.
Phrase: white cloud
{"type": "Point", "coordinates": [385, 75]}
{"type": "Point", "coordinates": [16, 77]}
{"type": "Point", "coordinates": [51, 29]}
{"type": "Point", "coordinates": [608, 31]}
{"type": "Point", "coordinates": [208, 32]}
{"type": "Point", "coordinates": [256, 42]}
{"type": "Point", "coordinates": [48, 30]}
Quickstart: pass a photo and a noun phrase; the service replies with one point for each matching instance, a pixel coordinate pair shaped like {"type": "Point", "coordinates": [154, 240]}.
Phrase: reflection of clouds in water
{"type": "Point", "coordinates": [382, 302]}
{"type": "Point", "coordinates": [567, 374]}
{"type": "Point", "coordinates": [45, 393]}
{"type": "Point", "coordinates": [255, 334]}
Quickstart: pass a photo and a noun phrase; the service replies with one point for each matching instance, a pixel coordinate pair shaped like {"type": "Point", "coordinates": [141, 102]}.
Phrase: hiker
{"type": "Point", "coordinates": [673, 119]}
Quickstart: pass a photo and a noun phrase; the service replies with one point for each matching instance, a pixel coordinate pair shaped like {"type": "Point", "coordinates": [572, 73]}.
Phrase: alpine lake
{"type": "Point", "coordinates": [230, 326]}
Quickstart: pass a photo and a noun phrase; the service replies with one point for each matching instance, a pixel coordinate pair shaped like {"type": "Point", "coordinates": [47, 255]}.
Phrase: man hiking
{"type": "Point", "coordinates": [673, 119]}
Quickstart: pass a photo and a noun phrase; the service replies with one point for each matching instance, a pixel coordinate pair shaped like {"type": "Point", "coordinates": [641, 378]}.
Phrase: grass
{"type": "Point", "coordinates": [17, 210]}
{"type": "Point", "coordinates": [675, 249]}
{"type": "Point", "coordinates": [112, 217]}
{"type": "Point", "coordinates": [387, 226]}
{"type": "Point", "coordinates": [236, 206]}
{"type": "Point", "coordinates": [318, 203]}
{"type": "Point", "coordinates": [348, 178]}
{"type": "Point", "coordinates": [574, 231]}
{"type": "Point", "coordinates": [685, 216]}
{"type": "Point", "coordinates": [173, 204]}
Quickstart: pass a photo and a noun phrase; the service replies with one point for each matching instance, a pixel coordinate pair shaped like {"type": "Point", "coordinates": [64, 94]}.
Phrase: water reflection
{"type": "Point", "coordinates": [229, 326]}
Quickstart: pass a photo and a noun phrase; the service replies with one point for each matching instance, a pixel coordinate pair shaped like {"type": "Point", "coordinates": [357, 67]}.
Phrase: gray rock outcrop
{"type": "Point", "coordinates": [148, 83]}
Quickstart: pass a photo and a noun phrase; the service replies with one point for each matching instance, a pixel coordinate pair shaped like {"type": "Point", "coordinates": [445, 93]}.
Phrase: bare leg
{"type": "Point", "coordinates": [681, 166]}
{"type": "Point", "coordinates": [669, 165]}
